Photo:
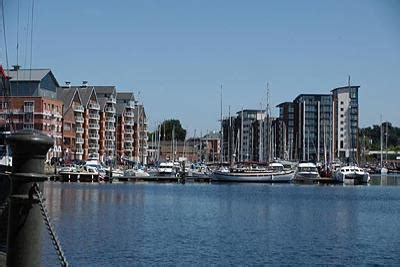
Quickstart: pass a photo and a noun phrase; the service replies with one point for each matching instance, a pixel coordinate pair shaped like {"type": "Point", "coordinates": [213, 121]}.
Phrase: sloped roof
{"type": "Point", "coordinates": [67, 94]}
{"type": "Point", "coordinates": [85, 93]}
{"type": "Point", "coordinates": [25, 75]}
{"type": "Point", "coordinates": [120, 108]}
{"type": "Point", "coordinates": [125, 96]}
{"type": "Point", "coordinates": [105, 89]}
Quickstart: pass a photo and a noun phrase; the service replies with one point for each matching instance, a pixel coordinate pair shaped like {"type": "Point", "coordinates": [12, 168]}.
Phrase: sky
{"type": "Point", "coordinates": [175, 55]}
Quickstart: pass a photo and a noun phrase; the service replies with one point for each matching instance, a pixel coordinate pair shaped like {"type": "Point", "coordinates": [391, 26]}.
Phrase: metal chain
{"type": "Point", "coordinates": [52, 233]}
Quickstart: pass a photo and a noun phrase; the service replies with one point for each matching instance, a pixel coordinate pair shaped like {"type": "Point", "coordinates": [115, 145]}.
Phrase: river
{"type": "Point", "coordinates": [225, 224]}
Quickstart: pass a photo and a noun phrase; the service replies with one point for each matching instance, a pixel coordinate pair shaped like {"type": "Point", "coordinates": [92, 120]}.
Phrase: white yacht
{"type": "Point", "coordinates": [352, 175]}
{"type": "Point", "coordinates": [167, 169]}
{"type": "Point", "coordinates": [306, 172]}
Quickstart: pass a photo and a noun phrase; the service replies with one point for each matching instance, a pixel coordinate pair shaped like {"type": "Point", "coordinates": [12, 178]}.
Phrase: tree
{"type": "Point", "coordinates": [166, 130]}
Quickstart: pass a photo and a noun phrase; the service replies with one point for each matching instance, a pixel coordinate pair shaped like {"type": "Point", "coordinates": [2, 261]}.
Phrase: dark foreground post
{"type": "Point", "coordinates": [25, 221]}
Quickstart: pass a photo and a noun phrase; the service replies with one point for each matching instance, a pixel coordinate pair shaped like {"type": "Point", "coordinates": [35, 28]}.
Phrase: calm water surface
{"type": "Point", "coordinates": [126, 224]}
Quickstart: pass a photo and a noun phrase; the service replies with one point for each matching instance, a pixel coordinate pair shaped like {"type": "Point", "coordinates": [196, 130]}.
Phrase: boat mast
{"type": "Point", "coordinates": [386, 136]}
{"type": "Point", "coordinates": [222, 135]}
{"type": "Point", "coordinates": [381, 143]}
{"type": "Point", "coordinates": [318, 128]}
{"type": "Point", "coordinates": [269, 143]}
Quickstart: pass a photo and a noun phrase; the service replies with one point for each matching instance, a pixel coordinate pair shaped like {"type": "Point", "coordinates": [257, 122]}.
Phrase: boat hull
{"type": "Point", "coordinates": [262, 177]}
{"type": "Point", "coordinates": [306, 177]}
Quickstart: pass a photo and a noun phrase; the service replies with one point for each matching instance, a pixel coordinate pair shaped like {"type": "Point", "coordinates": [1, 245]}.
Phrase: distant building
{"type": "Point", "coordinates": [345, 122]}
{"type": "Point", "coordinates": [125, 125]}
{"type": "Point", "coordinates": [313, 130]}
{"type": "Point", "coordinates": [32, 82]}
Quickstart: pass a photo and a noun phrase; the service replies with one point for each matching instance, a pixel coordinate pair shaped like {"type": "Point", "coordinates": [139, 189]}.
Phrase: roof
{"type": "Point", "coordinates": [104, 89]}
{"type": "Point", "coordinates": [284, 103]}
{"type": "Point", "coordinates": [212, 135]}
{"type": "Point", "coordinates": [312, 95]}
{"type": "Point", "coordinates": [251, 111]}
{"type": "Point", "coordinates": [85, 93]}
{"type": "Point", "coordinates": [25, 75]}
{"type": "Point", "coordinates": [307, 165]}
{"type": "Point", "coordinates": [125, 96]}
{"type": "Point", "coordinates": [344, 88]}
{"type": "Point", "coordinates": [120, 108]}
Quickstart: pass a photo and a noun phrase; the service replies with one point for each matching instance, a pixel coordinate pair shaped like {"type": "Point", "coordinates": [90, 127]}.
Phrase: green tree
{"type": "Point", "coordinates": [169, 126]}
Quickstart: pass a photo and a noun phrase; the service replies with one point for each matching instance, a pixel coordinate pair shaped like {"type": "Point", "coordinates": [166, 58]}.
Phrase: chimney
{"type": "Point", "coordinates": [68, 84]}
{"type": "Point", "coordinates": [16, 67]}
{"type": "Point", "coordinates": [84, 83]}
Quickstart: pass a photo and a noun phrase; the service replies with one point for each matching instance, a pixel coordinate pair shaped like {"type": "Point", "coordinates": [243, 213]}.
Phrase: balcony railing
{"type": "Point", "coordinates": [109, 109]}
{"type": "Point", "coordinates": [94, 106]}
{"type": "Point", "coordinates": [94, 136]}
{"type": "Point", "coordinates": [79, 151]}
{"type": "Point", "coordinates": [110, 128]}
{"type": "Point", "coordinates": [128, 141]}
{"type": "Point", "coordinates": [110, 137]}
{"type": "Point", "coordinates": [79, 130]}
{"type": "Point", "coordinates": [93, 146]}
{"type": "Point", "coordinates": [79, 119]}
{"type": "Point", "coordinates": [79, 140]}
{"type": "Point", "coordinates": [79, 108]}
{"type": "Point", "coordinates": [128, 137]}
{"type": "Point", "coordinates": [94, 116]}
{"type": "Point", "coordinates": [129, 122]}
{"type": "Point", "coordinates": [110, 119]}
{"type": "Point", "coordinates": [112, 99]}
{"type": "Point", "coordinates": [129, 114]}
{"type": "Point", "coordinates": [129, 131]}
{"type": "Point", "coordinates": [94, 126]}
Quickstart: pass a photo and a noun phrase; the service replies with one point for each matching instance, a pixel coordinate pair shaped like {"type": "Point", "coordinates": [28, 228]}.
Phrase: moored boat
{"type": "Point", "coordinates": [352, 175]}
{"type": "Point", "coordinates": [306, 172]}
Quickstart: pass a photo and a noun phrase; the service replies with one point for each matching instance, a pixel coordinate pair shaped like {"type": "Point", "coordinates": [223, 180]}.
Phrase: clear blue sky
{"type": "Point", "coordinates": [177, 53]}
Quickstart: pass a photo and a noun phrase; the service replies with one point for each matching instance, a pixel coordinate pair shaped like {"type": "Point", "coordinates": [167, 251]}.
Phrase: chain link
{"type": "Point", "coordinates": [52, 233]}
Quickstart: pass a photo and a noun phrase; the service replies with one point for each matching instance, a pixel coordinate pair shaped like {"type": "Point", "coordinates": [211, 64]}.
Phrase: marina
{"type": "Point", "coordinates": [226, 224]}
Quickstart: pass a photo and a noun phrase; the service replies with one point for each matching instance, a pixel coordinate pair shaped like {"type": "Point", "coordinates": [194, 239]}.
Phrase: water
{"type": "Point", "coordinates": [255, 224]}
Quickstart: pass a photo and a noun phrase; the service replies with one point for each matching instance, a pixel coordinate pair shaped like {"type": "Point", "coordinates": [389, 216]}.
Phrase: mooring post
{"type": "Point", "coordinates": [25, 221]}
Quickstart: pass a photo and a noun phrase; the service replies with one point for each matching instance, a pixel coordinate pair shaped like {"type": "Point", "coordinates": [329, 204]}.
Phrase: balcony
{"type": "Point", "coordinates": [109, 110]}
{"type": "Point", "coordinates": [79, 140]}
{"type": "Point", "coordinates": [79, 119]}
{"type": "Point", "coordinates": [129, 114]}
{"type": "Point", "coordinates": [129, 131]}
{"type": "Point", "coordinates": [128, 137]}
{"type": "Point", "coordinates": [128, 141]}
{"type": "Point", "coordinates": [94, 146]}
{"type": "Point", "coordinates": [94, 116]}
{"type": "Point", "coordinates": [112, 100]}
{"type": "Point", "coordinates": [110, 119]}
{"type": "Point", "coordinates": [128, 146]}
{"type": "Point", "coordinates": [79, 108]}
{"type": "Point", "coordinates": [110, 137]}
{"type": "Point", "coordinates": [94, 106]}
{"type": "Point", "coordinates": [94, 126]}
{"type": "Point", "coordinates": [79, 130]}
{"type": "Point", "coordinates": [110, 146]}
{"type": "Point", "coordinates": [94, 136]}
{"type": "Point", "coordinates": [129, 122]}
{"type": "Point", "coordinates": [79, 152]}
{"type": "Point", "coordinates": [130, 104]}
{"type": "Point", "coordinates": [110, 128]}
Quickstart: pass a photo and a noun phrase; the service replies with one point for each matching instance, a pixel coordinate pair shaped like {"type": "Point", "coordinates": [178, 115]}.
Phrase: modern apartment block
{"type": "Point", "coordinates": [125, 125]}
{"type": "Point", "coordinates": [106, 96]}
{"type": "Point", "coordinates": [313, 130]}
{"type": "Point", "coordinates": [345, 122]}
{"type": "Point", "coordinates": [140, 135]}
{"type": "Point", "coordinates": [73, 120]}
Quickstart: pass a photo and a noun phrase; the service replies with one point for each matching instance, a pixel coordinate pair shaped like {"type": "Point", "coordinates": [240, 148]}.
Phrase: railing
{"type": "Point", "coordinates": [28, 109]}
{"type": "Point", "coordinates": [94, 136]}
{"type": "Point", "coordinates": [78, 108]}
{"type": "Point", "coordinates": [110, 119]}
{"type": "Point", "coordinates": [95, 126]}
{"type": "Point", "coordinates": [110, 137]}
{"type": "Point", "coordinates": [129, 131]}
{"type": "Point", "coordinates": [79, 130]}
{"type": "Point", "coordinates": [129, 122]}
{"type": "Point", "coordinates": [129, 114]}
{"type": "Point", "coordinates": [93, 146]}
{"type": "Point", "coordinates": [94, 116]}
{"type": "Point", "coordinates": [110, 128]}
{"type": "Point", "coordinates": [79, 119]}
{"type": "Point", "coordinates": [128, 137]}
{"type": "Point", "coordinates": [79, 140]}
{"type": "Point", "coordinates": [95, 106]}
{"type": "Point", "coordinates": [109, 109]}
{"type": "Point", "coordinates": [112, 99]}
{"type": "Point", "coordinates": [79, 152]}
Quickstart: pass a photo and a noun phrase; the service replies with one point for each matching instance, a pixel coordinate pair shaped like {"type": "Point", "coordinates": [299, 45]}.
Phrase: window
{"type": "Point", "coordinates": [341, 109]}
{"type": "Point", "coordinates": [341, 115]}
{"type": "Point", "coordinates": [341, 102]}
{"type": "Point", "coordinates": [341, 122]}
{"type": "Point", "coordinates": [341, 144]}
